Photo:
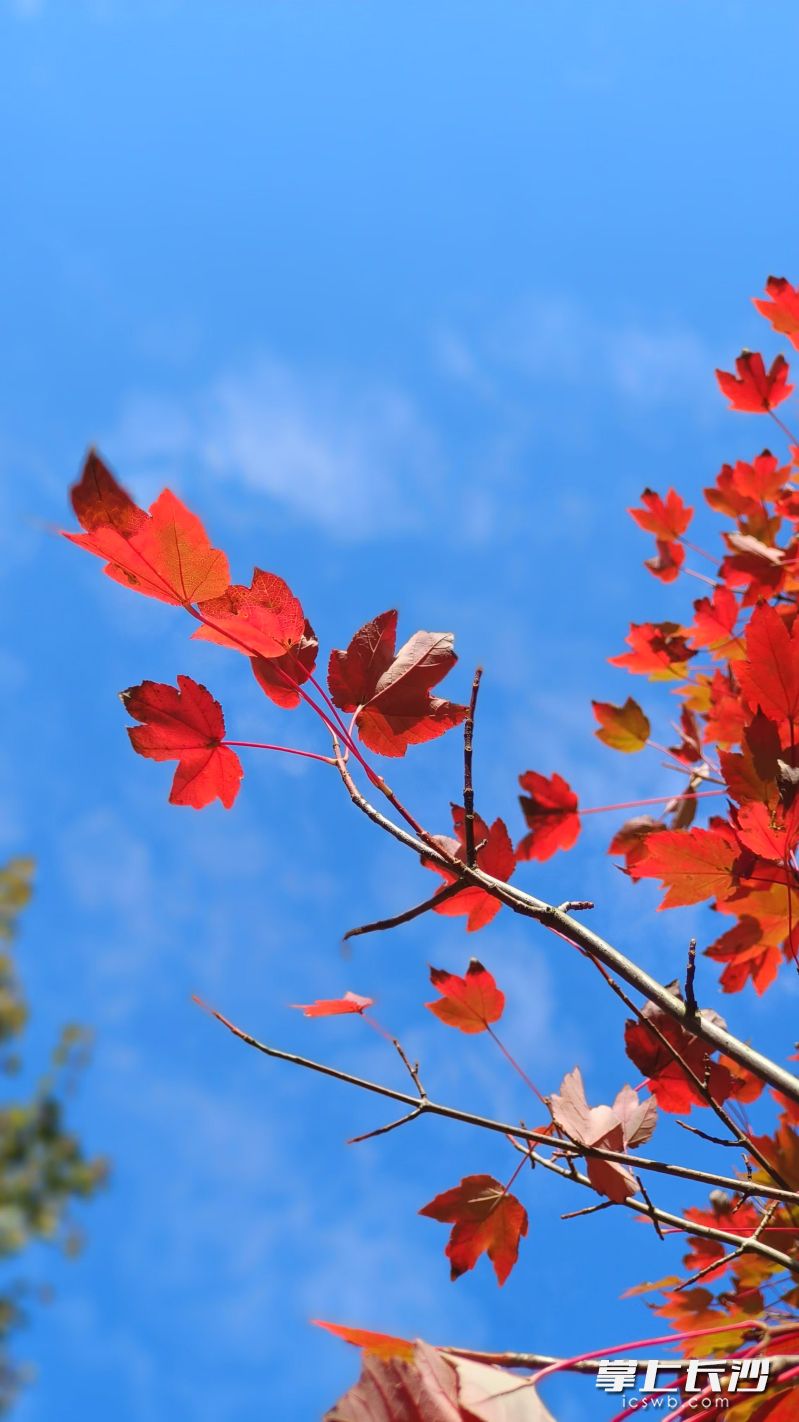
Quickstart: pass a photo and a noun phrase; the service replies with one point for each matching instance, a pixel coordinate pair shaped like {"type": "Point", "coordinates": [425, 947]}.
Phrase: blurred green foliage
{"type": "Point", "coordinates": [43, 1169]}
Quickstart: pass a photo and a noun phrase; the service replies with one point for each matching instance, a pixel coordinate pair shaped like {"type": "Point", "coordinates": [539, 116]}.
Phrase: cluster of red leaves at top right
{"type": "Point", "coordinates": [734, 664]}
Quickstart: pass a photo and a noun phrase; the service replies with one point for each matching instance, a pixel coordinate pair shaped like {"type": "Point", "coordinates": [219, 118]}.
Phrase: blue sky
{"type": "Point", "coordinates": [408, 301]}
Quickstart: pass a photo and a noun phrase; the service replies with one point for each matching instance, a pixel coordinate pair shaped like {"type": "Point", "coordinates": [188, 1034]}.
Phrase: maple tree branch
{"type": "Point", "coordinates": [750, 1245]}
{"type": "Point", "coordinates": [487, 1123]}
{"type": "Point", "coordinates": [779, 1361]}
{"type": "Point", "coordinates": [727, 1259]}
{"type": "Point", "coordinates": [740, 1137]}
{"type": "Point", "coordinates": [440, 896]}
{"type": "Point", "coordinates": [468, 786]}
{"type": "Point", "coordinates": [583, 937]}
{"type": "Point", "coordinates": [690, 976]}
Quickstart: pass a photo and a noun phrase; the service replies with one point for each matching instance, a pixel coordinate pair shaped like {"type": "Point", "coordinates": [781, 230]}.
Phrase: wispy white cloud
{"type": "Point", "coordinates": [351, 454]}
{"type": "Point", "coordinates": [554, 339]}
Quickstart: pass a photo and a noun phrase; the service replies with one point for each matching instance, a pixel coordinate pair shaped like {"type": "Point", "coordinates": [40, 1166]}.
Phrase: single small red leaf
{"type": "Point", "coordinates": [485, 1219]}
{"type": "Point", "coordinates": [185, 724]}
{"type": "Point", "coordinates": [469, 1003]}
{"type": "Point", "coordinates": [754, 389]}
{"type": "Point", "coordinates": [769, 677]}
{"type": "Point", "coordinates": [164, 554]}
{"type": "Point", "coordinates": [692, 864]}
{"type": "Point", "coordinates": [550, 808]}
{"type": "Point", "coordinates": [667, 518]}
{"type": "Point", "coordinates": [334, 1006]}
{"type": "Point", "coordinates": [782, 308]}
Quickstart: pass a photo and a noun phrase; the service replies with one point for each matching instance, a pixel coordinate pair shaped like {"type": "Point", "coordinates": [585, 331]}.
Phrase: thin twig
{"type": "Point", "coordinates": [690, 975]}
{"type": "Point", "coordinates": [652, 1211]}
{"type": "Point", "coordinates": [468, 785]}
{"type": "Point", "coordinates": [727, 1259]}
{"type": "Point", "coordinates": [440, 897]}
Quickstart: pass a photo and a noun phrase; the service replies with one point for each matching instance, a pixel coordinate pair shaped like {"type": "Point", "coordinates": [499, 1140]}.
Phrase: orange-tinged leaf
{"type": "Point", "coordinates": [164, 554]}
{"type": "Point", "coordinates": [714, 623]}
{"type": "Point", "coordinates": [667, 518]}
{"type": "Point", "coordinates": [748, 955]}
{"type": "Point", "coordinates": [485, 1219]}
{"type": "Point", "coordinates": [659, 651]}
{"type": "Point", "coordinates": [781, 308]}
{"type": "Point", "coordinates": [771, 833]}
{"type": "Point", "coordinates": [469, 1003]}
{"type": "Point", "coordinates": [550, 808]}
{"type": "Point", "coordinates": [692, 864]}
{"type": "Point", "coordinates": [335, 1006]}
{"type": "Point", "coordinates": [185, 724]}
{"type": "Point", "coordinates": [754, 389]}
{"type": "Point", "coordinates": [623, 728]}
{"type": "Point", "coordinates": [263, 620]}
{"type": "Point", "coordinates": [382, 1345]}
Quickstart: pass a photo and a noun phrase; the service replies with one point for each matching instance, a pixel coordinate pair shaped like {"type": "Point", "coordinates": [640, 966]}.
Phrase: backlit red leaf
{"type": "Point", "coordinates": [495, 856]}
{"type": "Point", "coordinates": [781, 308]}
{"type": "Point", "coordinates": [485, 1219]}
{"type": "Point", "coordinates": [185, 724]}
{"type": "Point", "coordinates": [669, 1083]}
{"type": "Point", "coordinates": [164, 554]}
{"type": "Point", "coordinates": [754, 389]}
{"type": "Point", "coordinates": [769, 677]}
{"type": "Point", "coordinates": [692, 865]}
{"type": "Point", "coordinates": [334, 1006]}
{"type": "Point", "coordinates": [667, 518]}
{"type": "Point", "coordinates": [469, 1003]}
{"type": "Point", "coordinates": [551, 811]}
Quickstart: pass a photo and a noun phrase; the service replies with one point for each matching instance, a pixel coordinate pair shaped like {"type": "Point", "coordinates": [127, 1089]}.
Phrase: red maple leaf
{"type": "Point", "coordinates": [782, 309]}
{"type": "Point", "coordinates": [469, 1003]}
{"type": "Point", "coordinates": [771, 833]}
{"type": "Point", "coordinates": [753, 389]}
{"type": "Point", "coordinates": [667, 518]}
{"type": "Point", "coordinates": [769, 677]}
{"type": "Point", "coordinates": [485, 1219]}
{"type": "Point", "coordinates": [335, 1006]}
{"type": "Point", "coordinates": [658, 649]}
{"type": "Point", "coordinates": [672, 1088]}
{"type": "Point", "coordinates": [264, 620]}
{"type": "Point", "coordinates": [742, 489]}
{"type": "Point", "coordinates": [714, 622]}
{"type": "Point", "coordinates": [185, 724]}
{"type": "Point", "coordinates": [164, 554]}
{"type": "Point", "coordinates": [390, 690]}
{"type": "Point", "coordinates": [495, 857]}
{"type": "Point", "coordinates": [667, 562]}
{"type": "Point", "coordinates": [692, 864]}
{"type": "Point", "coordinates": [550, 809]}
